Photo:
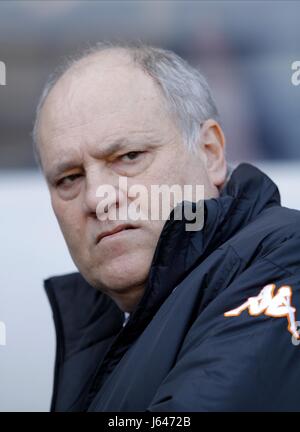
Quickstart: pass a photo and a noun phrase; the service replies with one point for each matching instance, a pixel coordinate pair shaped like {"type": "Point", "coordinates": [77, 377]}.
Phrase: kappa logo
{"type": "Point", "coordinates": [277, 306]}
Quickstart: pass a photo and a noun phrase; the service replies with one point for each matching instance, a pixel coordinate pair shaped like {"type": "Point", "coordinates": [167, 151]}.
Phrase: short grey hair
{"type": "Point", "coordinates": [187, 95]}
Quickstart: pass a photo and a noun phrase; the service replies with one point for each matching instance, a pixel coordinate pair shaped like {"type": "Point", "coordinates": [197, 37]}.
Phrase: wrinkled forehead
{"type": "Point", "coordinates": [108, 93]}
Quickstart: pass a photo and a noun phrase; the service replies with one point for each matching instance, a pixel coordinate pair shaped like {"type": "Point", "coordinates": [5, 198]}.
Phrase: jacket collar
{"type": "Point", "coordinates": [84, 315]}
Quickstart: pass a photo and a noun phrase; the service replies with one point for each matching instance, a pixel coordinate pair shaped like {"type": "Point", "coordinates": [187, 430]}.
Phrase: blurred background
{"type": "Point", "coordinates": [245, 49]}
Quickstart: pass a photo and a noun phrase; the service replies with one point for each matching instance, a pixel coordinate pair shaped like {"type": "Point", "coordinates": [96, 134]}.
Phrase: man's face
{"type": "Point", "coordinates": [102, 120]}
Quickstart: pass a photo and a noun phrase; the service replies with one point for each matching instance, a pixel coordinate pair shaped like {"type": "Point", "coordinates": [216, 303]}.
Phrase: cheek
{"type": "Point", "coordinates": [174, 170]}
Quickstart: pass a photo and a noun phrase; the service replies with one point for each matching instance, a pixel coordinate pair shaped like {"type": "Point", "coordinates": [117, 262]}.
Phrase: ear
{"type": "Point", "coordinates": [213, 149]}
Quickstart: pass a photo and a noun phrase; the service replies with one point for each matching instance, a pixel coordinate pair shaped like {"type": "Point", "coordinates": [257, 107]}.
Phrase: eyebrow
{"type": "Point", "coordinates": [116, 145]}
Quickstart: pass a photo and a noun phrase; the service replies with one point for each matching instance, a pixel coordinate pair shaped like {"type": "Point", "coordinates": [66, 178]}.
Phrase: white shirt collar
{"type": "Point", "coordinates": [126, 317]}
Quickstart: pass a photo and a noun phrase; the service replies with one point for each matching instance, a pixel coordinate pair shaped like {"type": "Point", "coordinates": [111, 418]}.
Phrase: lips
{"type": "Point", "coordinates": [115, 230]}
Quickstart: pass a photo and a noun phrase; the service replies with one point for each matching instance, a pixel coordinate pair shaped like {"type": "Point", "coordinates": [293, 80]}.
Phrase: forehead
{"type": "Point", "coordinates": [96, 96]}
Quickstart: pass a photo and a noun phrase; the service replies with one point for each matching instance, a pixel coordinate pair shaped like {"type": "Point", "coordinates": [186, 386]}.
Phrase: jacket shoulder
{"type": "Point", "coordinates": [274, 229]}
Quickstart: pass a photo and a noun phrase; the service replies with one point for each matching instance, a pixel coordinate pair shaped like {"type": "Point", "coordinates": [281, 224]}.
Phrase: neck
{"type": "Point", "coordinates": [127, 299]}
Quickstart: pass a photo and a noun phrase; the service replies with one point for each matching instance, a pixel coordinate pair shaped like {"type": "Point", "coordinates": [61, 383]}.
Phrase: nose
{"type": "Point", "coordinates": [102, 194]}
{"type": "Point", "coordinates": [94, 179]}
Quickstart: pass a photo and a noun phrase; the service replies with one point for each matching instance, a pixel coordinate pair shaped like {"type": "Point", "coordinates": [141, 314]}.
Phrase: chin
{"type": "Point", "coordinates": [120, 274]}
{"type": "Point", "coordinates": [121, 278]}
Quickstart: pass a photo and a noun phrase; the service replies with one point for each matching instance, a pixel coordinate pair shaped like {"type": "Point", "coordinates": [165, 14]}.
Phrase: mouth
{"type": "Point", "coordinates": [114, 231]}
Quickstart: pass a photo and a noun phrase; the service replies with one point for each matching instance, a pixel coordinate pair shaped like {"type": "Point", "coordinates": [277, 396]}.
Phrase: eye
{"type": "Point", "coordinates": [131, 163]}
{"type": "Point", "coordinates": [131, 155]}
{"type": "Point", "coordinates": [68, 180]}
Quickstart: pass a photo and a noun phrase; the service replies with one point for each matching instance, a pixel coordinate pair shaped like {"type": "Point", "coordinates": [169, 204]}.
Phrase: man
{"type": "Point", "coordinates": [161, 318]}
